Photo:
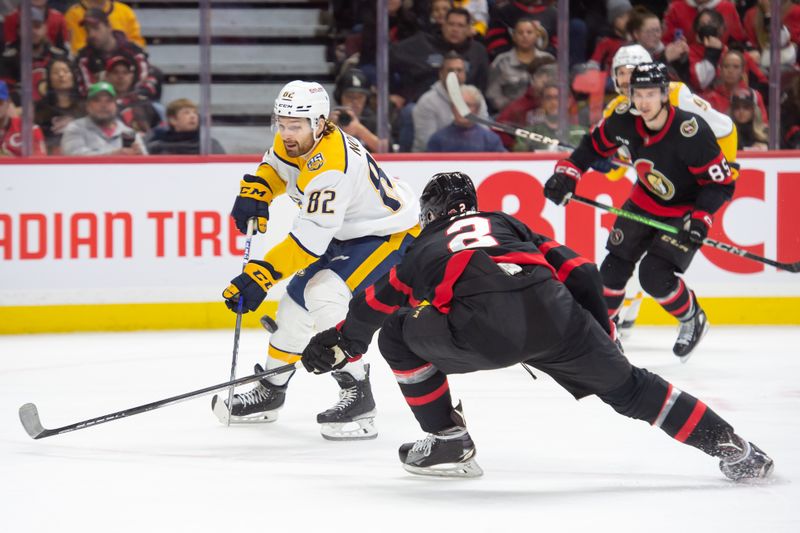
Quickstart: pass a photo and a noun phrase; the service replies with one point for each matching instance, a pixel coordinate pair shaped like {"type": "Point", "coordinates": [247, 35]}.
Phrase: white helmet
{"type": "Point", "coordinates": [628, 56]}
{"type": "Point", "coordinates": [303, 99]}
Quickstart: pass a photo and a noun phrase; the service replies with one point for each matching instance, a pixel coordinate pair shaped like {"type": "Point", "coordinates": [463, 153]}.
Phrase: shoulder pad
{"type": "Point", "coordinates": [622, 107]}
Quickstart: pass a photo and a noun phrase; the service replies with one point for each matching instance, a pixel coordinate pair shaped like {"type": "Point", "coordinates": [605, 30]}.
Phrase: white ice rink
{"type": "Point", "coordinates": [551, 464]}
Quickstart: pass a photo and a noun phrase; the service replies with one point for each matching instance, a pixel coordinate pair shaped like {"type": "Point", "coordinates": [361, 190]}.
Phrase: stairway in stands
{"type": "Point", "coordinates": [257, 46]}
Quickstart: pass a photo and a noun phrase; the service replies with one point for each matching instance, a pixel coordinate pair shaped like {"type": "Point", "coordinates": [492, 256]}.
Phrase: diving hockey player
{"type": "Point", "coordinates": [501, 294]}
{"type": "Point", "coordinates": [683, 179]}
{"type": "Point", "coordinates": [353, 226]}
{"type": "Point", "coordinates": [623, 63]}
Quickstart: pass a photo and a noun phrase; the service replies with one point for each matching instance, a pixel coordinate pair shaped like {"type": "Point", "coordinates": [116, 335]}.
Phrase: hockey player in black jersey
{"type": "Point", "coordinates": [480, 291]}
{"type": "Point", "coordinates": [683, 179]}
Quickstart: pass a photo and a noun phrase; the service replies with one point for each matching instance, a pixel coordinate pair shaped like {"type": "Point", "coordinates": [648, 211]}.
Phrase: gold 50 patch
{"type": "Point", "coordinates": [316, 162]}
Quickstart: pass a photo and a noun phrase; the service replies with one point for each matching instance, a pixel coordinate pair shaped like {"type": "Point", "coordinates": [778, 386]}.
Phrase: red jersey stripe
{"type": "Point", "coordinates": [377, 305]}
{"type": "Point", "coordinates": [444, 291]}
{"type": "Point", "coordinates": [569, 266]}
{"type": "Point", "coordinates": [401, 287]}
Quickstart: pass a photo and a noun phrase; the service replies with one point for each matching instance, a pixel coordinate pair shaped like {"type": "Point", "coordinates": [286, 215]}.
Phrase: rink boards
{"type": "Point", "coordinates": [115, 244]}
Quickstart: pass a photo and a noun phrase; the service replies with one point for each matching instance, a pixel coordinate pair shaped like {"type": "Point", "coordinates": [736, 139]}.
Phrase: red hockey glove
{"type": "Point", "coordinates": [561, 185]}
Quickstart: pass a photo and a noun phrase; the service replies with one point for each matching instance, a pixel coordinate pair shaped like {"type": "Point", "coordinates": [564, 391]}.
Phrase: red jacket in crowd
{"type": "Point", "coordinates": [681, 14]}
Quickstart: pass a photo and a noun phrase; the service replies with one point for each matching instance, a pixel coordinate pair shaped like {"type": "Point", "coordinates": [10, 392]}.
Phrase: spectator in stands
{"type": "Point", "coordinates": [433, 110]}
{"type": "Point", "coordinates": [119, 16]}
{"type": "Point", "coordinates": [11, 129]}
{"type": "Point", "coordinates": [56, 27]}
{"type": "Point", "coordinates": [133, 106]}
{"type": "Point", "coordinates": [756, 26]}
{"type": "Point", "coordinates": [681, 13]}
{"type": "Point", "coordinates": [436, 15]}
{"type": "Point", "coordinates": [645, 29]}
{"type": "Point", "coordinates": [732, 78]}
{"type": "Point", "coordinates": [61, 104]}
{"type": "Point", "coordinates": [183, 135]}
{"type": "Point", "coordinates": [519, 112]}
{"type": "Point", "coordinates": [706, 51]}
{"type": "Point", "coordinates": [504, 18]}
{"type": "Point", "coordinates": [463, 135]}
{"type": "Point", "coordinates": [353, 114]}
{"type": "Point", "coordinates": [416, 61]}
{"type": "Point", "coordinates": [790, 115]}
{"type": "Point", "coordinates": [402, 25]}
{"type": "Point", "coordinates": [606, 47]}
{"type": "Point", "coordinates": [101, 132]}
{"type": "Point", "coordinates": [749, 124]}
{"type": "Point", "coordinates": [105, 43]}
{"type": "Point", "coordinates": [509, 76]}
{"type": "Point", "coordinates": [479, 11]}
{"type": "Point", "coordinates": [42, 51]}
{"type": "Point", "coordinates": [544, 121]}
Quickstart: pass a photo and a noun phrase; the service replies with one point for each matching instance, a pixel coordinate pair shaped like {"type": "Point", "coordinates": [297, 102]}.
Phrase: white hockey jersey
{"type": "Point", "coordinates": [342, 194]}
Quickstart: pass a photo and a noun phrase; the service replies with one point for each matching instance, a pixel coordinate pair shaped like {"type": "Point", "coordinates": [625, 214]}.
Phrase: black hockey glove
{"type": "Point", "coordinates": [561, 185]}
{"type": "Point", "coordinates": [695, 227]}
{"type": "Point", "coordinates": [251, 285]}
{"type": "Point", "coordinates": [604, 165]}
{"type": "Point", "coordinates": [251, 202]}
{"type": "Point", "coordinates": [326, 351]}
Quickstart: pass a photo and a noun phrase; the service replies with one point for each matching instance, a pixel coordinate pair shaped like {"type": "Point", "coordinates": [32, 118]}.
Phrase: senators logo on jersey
{"type": "Point", "coordinates": [653, 180]}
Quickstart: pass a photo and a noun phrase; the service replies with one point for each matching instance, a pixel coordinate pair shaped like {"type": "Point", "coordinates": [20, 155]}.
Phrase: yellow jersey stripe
{"type": "Point", "coordinates": [378, 256]}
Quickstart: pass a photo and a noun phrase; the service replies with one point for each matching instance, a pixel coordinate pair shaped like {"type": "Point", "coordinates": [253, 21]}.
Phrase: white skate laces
{"type": "Point", "coordinates": [254, 396]}
{"type": "Point", "coordinates": [346, 398]}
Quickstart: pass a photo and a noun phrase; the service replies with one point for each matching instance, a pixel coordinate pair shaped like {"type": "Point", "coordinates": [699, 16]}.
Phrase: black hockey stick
{"type": "Point", "coordinates": [724, 246]}
{"type": "Point", "coordinates": [454, 91]}
{"type": "Point", "coordinates": [238, 328]}
{"type": "Point", "coordinates": [29, 414]}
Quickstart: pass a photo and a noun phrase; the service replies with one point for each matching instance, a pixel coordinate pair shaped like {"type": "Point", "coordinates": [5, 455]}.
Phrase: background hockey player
{"type": "Point", "coordinates": [683, 179]}
{"type": "Point", "coordinates": [501, 294]}
{"type": "Point", "coordinates": [623, 63]}
{"type": "Point", "coordinates": [353, 225]}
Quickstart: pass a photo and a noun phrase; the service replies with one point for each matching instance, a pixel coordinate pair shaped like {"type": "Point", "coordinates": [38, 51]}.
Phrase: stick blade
{"type": "Point", "coordinates": [29, 416]}
{"type": "Point", "coordinates": [454, 91]}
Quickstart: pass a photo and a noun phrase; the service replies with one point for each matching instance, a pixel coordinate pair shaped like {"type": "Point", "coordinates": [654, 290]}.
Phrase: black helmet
{"type": "Point", "coordinates": [447, 194]}
{"type": "Point", "coordinates": [351, 80]}
{"type": "Point", "coordinates": [650, 75]}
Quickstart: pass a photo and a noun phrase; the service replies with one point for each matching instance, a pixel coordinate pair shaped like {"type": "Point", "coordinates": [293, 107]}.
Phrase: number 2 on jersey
{"type": "Point", "coordinates": [383, 186]}
{"type": "Point", "coordinates": [478, 236]}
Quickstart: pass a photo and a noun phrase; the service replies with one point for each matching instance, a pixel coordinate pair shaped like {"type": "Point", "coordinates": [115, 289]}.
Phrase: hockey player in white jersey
{"type": "Point", "coordinates": [354, 224]}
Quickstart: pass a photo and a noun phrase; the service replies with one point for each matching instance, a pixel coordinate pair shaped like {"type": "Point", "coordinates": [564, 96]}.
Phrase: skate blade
{"type": "Point", "coordinates": [359, 429]}
{"type": "Point", "coordinates": [221, 411]}
{"type": "Point", "coordinates": [469, 469]}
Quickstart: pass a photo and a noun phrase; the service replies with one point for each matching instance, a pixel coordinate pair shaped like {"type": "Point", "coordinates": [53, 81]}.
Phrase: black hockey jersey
{"type": "Point", "coordinates": [679, 168]}
{"type": "Point", "coordinates": [459, 257]}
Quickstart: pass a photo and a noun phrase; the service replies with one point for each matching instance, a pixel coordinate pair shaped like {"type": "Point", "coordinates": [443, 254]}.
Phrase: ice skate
{"type": "Point", "coordinates": [690, 334]}
{"type": "Point", "coordinates": [744, 460]}
{"type": "Point", "coordinates": [259, 405]}
{"type": "Point", "coordinates": [353, 416]}
{"type": "Point", "coordinates": [447, 453]}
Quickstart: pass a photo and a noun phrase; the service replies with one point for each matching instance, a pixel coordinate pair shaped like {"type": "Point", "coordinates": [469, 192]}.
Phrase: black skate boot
{"type": "Point", "coordinates": [259, 405]}
{"type": "Point", "coordinates": [353, 416]}
{"type": "Point", "coordinates": [691, 331]}
{"type": "Point", "coordinates": [447, 453]}
{"type": "Point", "coordinates": [743, 460]}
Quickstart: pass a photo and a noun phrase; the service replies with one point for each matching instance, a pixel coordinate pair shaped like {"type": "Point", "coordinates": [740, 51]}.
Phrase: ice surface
{"type": "Point", "coordinates": [552, 464]}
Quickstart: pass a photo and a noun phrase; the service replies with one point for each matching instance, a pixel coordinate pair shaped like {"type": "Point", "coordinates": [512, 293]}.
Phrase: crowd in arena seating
{"type": "Point", "coordinates": [503, 51]}
{"type": "Point", "coordinates": [94, 90]}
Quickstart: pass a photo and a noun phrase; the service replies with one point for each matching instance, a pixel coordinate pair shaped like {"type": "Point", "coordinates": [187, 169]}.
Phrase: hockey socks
{"type": "Point", "coordinates": [647, 396]}
{"type": "Point", "coordinates": [680, 302]}
{"type": "Point", "coordinates": [427, 392]}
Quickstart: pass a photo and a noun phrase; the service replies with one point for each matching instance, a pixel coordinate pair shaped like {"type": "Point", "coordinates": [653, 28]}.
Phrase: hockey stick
{"type": "Point", "coordinates": [238, 328]}
{"type": "Point", "coordinates": [454, 91]}
{"type": "Point", "coordinates": [725, 247]}
{"type": "Point", "coordinates": [29, 414]}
